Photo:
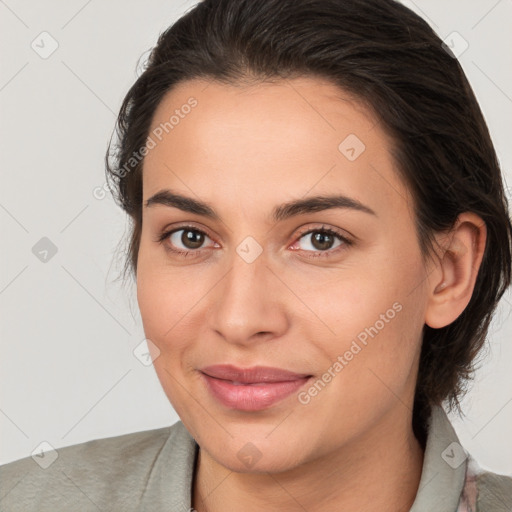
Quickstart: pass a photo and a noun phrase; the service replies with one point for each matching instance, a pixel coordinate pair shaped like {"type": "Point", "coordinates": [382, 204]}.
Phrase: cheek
{"type": "Point", "coordinates": [373, 313]}
{"type": "Point", "coordinates": [164, 306]}
{"type": "Point", "coordinates": [167, 295]}
{"type": "Point", "coordinates": [165, 310]}
{"type": "Point", "coordinates": [347, 301]}
{"type": "Point", "coordinates": [154, 303]}
{"type": "Point", "coordinates": [379, 352]}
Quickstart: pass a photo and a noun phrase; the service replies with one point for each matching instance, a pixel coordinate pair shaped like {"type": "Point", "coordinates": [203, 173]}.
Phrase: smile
{"type": "Point", "coordinates": [251, 389]}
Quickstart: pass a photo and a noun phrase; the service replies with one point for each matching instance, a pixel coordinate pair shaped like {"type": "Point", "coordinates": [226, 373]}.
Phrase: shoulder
{"type": "Point", "coordinates": [452, 479]}
{"type": "Point", "coordinates": [494, 492]}
{"type": "Point", "coordinates": [90, 474]}
{"type": "Point", "coordinates": [484, 490]}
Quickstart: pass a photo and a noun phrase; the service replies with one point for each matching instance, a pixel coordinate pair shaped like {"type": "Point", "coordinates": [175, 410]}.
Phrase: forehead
{"type": "Point", "coordinates": [281, 111]}
{"type": "Point", "coordinates": [269, 141]}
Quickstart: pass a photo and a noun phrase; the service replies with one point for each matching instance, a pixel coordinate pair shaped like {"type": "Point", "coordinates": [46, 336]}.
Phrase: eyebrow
{"type": "Point", "coordinates": [279, 213]}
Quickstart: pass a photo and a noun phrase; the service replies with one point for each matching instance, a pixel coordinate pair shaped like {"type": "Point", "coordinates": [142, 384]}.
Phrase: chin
{"type": "Point", "coordinates": [273, 465]}
{"type": "Point", "coordinates": [257, 457]}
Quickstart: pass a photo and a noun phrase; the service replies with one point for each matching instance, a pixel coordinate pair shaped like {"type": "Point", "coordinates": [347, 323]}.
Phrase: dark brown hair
{"type": "Point", "coordinates": [392, 61]}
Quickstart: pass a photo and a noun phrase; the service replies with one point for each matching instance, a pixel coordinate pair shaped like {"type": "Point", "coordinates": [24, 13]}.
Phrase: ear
{"type": "Point", "coordinates": [452, 281]}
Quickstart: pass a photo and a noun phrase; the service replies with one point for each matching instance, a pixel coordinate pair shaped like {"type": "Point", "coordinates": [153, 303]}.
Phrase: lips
{"type": "Point", "coordinates": [254, 375]}
{"type": "Point", "coordinates": [251, 389]}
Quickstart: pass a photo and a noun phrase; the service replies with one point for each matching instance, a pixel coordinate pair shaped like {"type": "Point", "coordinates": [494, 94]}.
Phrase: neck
{"type": "Point", "coordinates": [379, 471]}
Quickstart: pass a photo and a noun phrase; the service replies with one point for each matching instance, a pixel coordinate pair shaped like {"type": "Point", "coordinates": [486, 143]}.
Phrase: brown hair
{"type": "Point", "coordinates": [391, 60]}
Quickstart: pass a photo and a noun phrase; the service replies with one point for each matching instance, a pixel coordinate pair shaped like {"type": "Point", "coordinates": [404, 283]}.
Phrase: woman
{"type": "Point", "coordinates": [320, 238]}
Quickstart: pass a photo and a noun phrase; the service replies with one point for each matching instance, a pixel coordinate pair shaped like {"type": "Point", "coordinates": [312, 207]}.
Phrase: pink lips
{"type": "Point", "coordinates": [251, 389]}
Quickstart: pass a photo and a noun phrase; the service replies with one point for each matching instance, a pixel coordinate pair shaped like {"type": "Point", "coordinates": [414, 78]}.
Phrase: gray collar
{"type": "Point", "coordinates": [169, 485]}
{"type": "Point", "coordinates": [444, 467]}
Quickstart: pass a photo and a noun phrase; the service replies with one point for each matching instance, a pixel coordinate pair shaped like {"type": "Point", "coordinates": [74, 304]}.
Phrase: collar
{"type": "Point", "coordinates": [444, 467]}
{"type": "Point", "coordinates": [169, 485]}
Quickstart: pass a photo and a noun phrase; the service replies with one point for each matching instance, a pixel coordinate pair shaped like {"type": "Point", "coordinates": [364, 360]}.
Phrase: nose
{"type": "Point", "coordinates": [249, 303]}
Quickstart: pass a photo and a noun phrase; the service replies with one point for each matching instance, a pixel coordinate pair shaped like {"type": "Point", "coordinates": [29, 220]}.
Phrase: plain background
{"type": "Point", "coordinates": [68, 329]}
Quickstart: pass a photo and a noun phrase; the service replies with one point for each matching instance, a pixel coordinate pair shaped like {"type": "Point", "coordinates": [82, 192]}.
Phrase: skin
{"type": "Point", "coordinates": [244, 150]}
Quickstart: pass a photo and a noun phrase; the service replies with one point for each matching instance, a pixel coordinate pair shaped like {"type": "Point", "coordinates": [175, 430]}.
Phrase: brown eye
{"type": "Point", "coordinates": [321, 239]}
{"type": "Point", "coordinates": [322, 242]}
{"type": "Point", "coordinates": [184, 241]}
{"type": "Point", "coordinates": [191, 239]}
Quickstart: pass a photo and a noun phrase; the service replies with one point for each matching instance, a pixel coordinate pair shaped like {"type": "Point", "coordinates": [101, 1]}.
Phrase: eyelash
{"type": "Point", "coordinates": [314, 254]}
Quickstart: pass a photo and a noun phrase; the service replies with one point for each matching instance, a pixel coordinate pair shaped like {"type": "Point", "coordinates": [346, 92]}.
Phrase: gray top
{"type": "Point", "coordinates": [153, 471]}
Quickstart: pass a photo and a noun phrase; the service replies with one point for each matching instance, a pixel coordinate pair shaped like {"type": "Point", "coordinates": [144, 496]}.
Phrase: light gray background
{"type": "Point", "coordinates": [68, 330]}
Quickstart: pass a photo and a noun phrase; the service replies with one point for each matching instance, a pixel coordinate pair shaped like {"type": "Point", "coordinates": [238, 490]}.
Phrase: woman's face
{"type": "Point", "coordinates": [262, 285]}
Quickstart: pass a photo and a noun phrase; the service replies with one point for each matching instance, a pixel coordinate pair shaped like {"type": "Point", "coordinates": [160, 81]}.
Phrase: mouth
{"type": "Point", "coordinates": [251, 389]}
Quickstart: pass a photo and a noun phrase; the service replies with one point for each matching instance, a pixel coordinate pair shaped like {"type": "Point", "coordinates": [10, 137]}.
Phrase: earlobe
{"type": "Point", "coordinates": [460, 257]}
